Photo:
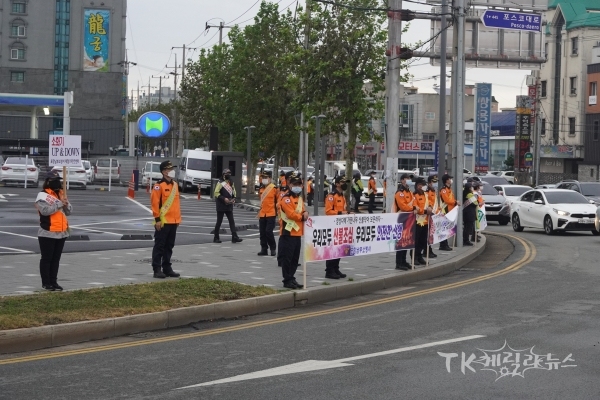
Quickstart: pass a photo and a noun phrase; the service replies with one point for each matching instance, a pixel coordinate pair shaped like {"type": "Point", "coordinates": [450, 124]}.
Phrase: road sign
{"type": "Point", "coordinates": [153, 124]}
{"type": "Point", "coordinates": [512, 20]}
{"type": "Point", "coordinates": [528, 160]}
{"type": "Point", "coordinates": [65, 150]}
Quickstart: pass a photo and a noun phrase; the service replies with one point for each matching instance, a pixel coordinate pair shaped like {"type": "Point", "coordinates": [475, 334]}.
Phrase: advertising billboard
{"type": "Point", "coordinates": [96, 40]}
{"type": "Point", "coordinates": [483, 126]}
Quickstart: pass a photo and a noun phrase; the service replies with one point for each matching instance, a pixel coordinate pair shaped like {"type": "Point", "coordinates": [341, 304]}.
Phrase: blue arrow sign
{"type": "Point", "coordinates": [512, 20]}
{"type": "Point", "coordinates": [153, 124]}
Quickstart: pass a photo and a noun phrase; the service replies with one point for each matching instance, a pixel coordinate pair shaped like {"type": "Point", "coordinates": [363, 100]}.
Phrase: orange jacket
{"type": "Point", "coordinates": [159, 195]}
{"type": "Point", "coordinates": [309, 188]}
{"type": "Point", "coordinates": [289, 204]}
{"type": "Point", "coordinates": [268, 203]}
{"type": "Point", "coordinates": [372, 188]}
{"type": "Point", "coordinates": [448, 197]}
{"type": "Point", "coordinates": [335, 204]}
{"type": "Point", "coordinates": [282, 181]}
{"type": "Point", "coordinates": [384, 187]}
{"type": "Point", "coordinates": [421, 201]}
{"type": "Point", "coordinates": [56, 222]}
{"type": "Point", "coordinates": [431, 195]}
{"type": "Point", "coordinates": [403, 201]}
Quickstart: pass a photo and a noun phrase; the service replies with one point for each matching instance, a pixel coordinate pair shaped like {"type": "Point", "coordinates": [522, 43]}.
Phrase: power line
{"type": "Point", "coordinates": [244, 13]}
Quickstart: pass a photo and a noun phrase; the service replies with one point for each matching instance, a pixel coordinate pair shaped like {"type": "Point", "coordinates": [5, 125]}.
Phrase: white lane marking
{"type": "Point", "coordinates": [6, 267]}
{"type": "Point", "coordinates": [110, 222]}
{"type": "Point", "coordinates": [17, 234]}
{"type": "Point", "coordinates": [23, 291]}
{"type": "Point", "coordinates": [129, 279]}
{"type": "Point", "coordinates": [96, 231]}
{"type": "Point", "coordinates": [25, 287]}
{"type": "Point", "coordinates": [19, 250]}
{"type": "Point", "coordinates": [30, 275]}
{"type": "Point", "coordinates": [139, 204]}
{"type": "Point", "coordinates": [255, 277]}
{"type": "Point", "coordinates": [96, 283]}
{"type": "Point", "coordinates": [316, 365]}
{"type": "Point", "coordinates": [98, 270]}
{"type": "Point", "coordinates": [245, 272]}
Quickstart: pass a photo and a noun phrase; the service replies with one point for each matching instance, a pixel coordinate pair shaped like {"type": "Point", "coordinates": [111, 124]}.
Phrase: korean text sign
{"type": "Point", "coordinates": [96, 40]}
{"type": "Point", "coordinates": [65, 150]}
{"type": "Point", "coordinates": [442, 226]}
{"type": "Point", "coordinates": [483, 126]}
{"type": "Point", "coordinates": [339, 236]}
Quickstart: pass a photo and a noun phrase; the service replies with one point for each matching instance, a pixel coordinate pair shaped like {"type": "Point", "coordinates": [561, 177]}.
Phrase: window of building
{"type": "Point", "coordinates": [593, 91]}
{"type": "Point", "coordinates": [571, 126]}
{"type": "Point", "coordinates": [573, 85]}
{"type": "Point", "coordinates": [17, 54]}
{"type": "Point", "coordinates": [574, 46]}
{"type": "Point", "coordinates": [17, 28]}
{"type": "Point", "coordinates": [596, 130]}
{"type": "Point", "coordinates": [543, 127]}
{"type": "Point", "coordinates": [17, 76]}
{"type": "Point", "coordinates": [546, 50]}
{"type": "Point", "coordinates": [19, 7]}
{"type": "Point", "coordinates": [544, 89]}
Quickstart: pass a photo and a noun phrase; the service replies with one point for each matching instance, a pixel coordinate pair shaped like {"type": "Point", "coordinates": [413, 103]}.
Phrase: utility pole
{"type": "Point", "coordinates": [160, 78]}
{"type": "Point", "coordinates": [149, 87]}
{"type": "Point", "coordinates": [125, 64]}
{"type": "Point", "coordinates": [175, 74]}
{"type": "Point", "coordinates": [221, 26]}
{"type": "Point", "coordinates": [442, 125]}
{"type": "Point", "coordinates": [180, 142]}
{"type": "Point", "coordinates": [303, 151]}
{"type": "Point", "coordinates": [393, 91]}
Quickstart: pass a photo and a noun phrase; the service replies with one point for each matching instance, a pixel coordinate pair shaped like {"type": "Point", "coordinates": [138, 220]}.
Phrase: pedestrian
{"type": "Point", "coordinates": [166, 149]}
{"type": "Point", "coordinates": [448, 202]}
{"type": "Point", "coordinates": [167, 217]}
{"type": "Point", "coordinates": [357, 190]}
{"type": "Point", "coordinates": [372, 191]}
{"type": "Point", "coordinates": [335, 204]}
{"type": "Point", "coordinates": [282, 191]}
{"type": "Point", "coordinates": [469, 213]}
{"type": "Point", "coordinates": [423, 211]}
{"type": "Point", "coordinates": [477, 190]}
{"type": "Point", "coordinates": [224, 199]}
{"type": "Point", "coordinates": [433, 203]}
{"type": "Point", "coordinates": [53, 208]}
{"type": "Point", "coordinates": [282, 182]}
{"type": "Point", "coordinates": [292, 217]}
{"type": "Point", "coordinates": [310, 191]}
{"type": "Point", "coordinates": [267, 214]}
{"type": "Point", "coordinates": [403, 202]}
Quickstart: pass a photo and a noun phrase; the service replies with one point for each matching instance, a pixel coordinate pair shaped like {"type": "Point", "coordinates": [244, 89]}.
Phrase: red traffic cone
{"type": "Point", "coordinates": [199, 192]}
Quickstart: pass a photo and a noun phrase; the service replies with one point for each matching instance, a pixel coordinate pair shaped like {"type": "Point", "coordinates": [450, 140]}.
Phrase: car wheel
{"type": "Point", "coordinates": [595, 233]}
{"type": "Point", "coordinates": [548, 227]}
{"type": "Point", "coordinates": [504, 221]}
{"type": "Point", "coordinates": [516, 223]}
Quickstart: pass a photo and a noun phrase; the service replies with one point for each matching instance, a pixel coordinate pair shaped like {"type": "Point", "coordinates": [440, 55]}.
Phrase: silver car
{"type": "Point", "coordinates": [19, 169]}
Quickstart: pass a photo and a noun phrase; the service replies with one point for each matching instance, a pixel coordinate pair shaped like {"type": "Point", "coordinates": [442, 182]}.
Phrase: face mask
{"type": "Point", "coordinates": [54, 184]}
{"type": "Point", "coordinates": [226, 177]}
{"type": "Point", "coordinates": [171, 174]}
{"type": "Point", "coordinates": [265, 182]}
{"type": "Point", "coordinates": [344, 186]}
{"type": "Point", "coordinates": [450, 182]}
{"type": "Point", "coordinates": [296, 189]}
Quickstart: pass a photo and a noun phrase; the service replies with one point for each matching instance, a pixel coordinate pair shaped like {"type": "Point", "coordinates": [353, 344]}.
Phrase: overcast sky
{"type": "Point", "coordinates": [155, 26]}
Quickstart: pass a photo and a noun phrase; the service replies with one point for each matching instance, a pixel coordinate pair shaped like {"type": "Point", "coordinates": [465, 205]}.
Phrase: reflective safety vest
{"type": "Point", "coordinates": [165, 202]}
{"type": "Point", "coordinates": [56, 222]}
{"type": "Point", "coordinates": [291, 222]}
{"type": "Point", "coordinates": [335, 204]}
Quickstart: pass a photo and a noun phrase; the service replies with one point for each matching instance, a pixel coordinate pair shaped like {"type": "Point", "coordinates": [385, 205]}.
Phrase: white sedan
{"type": "Point", "coordinates": [76, 176]}
{"type": "Point", "coordinates": [510, 193]}
{"type": "Point", "coordinates": [18, 169]}
{"type": "Point", "coordinates": [553, 210]}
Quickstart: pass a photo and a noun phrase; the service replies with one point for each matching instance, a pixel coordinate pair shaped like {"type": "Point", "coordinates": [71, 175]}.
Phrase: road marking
{"type": "Point", "coordinates": [109, 222]}
{"type": "Point", "coordinates": [529, 256]}
{"type": "Point", "coordinates": [96, 231]}
{"type": "Point", "coordinates": [317, 365]}
{"type": "Point", "coordinates": [18, 250]}
{"type": "Point", "coordinates": [17, 234]}
{"type": "Point", "coordinates": [139, 204]}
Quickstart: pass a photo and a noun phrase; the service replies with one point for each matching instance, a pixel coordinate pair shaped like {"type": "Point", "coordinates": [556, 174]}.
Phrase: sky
{"type": "Point", "coordinates": [150, 42]}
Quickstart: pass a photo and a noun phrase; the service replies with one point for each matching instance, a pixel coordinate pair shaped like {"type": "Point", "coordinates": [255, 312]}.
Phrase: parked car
{"type": "Point", "coordinates": [76, 176]}
{"type": "Point", "coordinates": [494, 202]}
{"type": "Point", "coordinates": [151, 171]}
{"type": "Point", "coordinates": [510, 193]}
{"type": "Point", "coordinates": [546, 186]}
{"type": "Point", "coordinates": [591, 190]}
{"type": "Point", "coordinates": [491, 179]}
{"type": "Point", "coordinates": [554, 210]}
{"type": "Point", "coordinates": [508, 175]}
{"type": "Point", "coordinates": [107, 168]}
{"type": "Point", "coordinates": [18, 169]}
{"type": "Point", "coordinates": [194, 170]}
{"type": "Point", "coordinates": [89, 170]}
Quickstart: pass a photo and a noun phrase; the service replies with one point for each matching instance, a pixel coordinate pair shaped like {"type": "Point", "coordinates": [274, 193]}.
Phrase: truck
{"type": "Point", "coordinates": [335, 168]}
{"type": "Point", "coordinates": [194, 170]}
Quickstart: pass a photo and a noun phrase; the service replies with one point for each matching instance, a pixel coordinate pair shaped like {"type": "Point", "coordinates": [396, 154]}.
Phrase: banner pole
{"type": "Point", "coordinates": [428, 227]}
{"type": "Point", "coordinates": [64, 180]}
{"type": "Point", "coordinates": [303, 260]}
{"type": "Point", "coordinates": [414, 250]}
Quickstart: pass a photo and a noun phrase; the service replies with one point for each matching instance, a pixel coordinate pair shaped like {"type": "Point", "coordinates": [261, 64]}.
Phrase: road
{"type": "Point", "coordinates": [523, 317]}
{"type": "Point", "coordinates": [105, 217]}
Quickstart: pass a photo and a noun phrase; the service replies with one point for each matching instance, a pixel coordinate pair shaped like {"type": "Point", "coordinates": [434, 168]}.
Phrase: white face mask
{"type": "Point", "coordinates": [265, 182]}
{"type": "Point", "coordinates": [296, 189]}
{"type": "Point", "coordinates": [171, 174]}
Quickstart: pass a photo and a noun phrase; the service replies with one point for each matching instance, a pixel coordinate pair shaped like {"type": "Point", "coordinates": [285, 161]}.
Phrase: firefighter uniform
{"type": "Point", "coordinates": [372, 191]}
{"type": "Point", "coordinates": [290, 234]}
{"type": "Point", "coordinates": [164, 200]}
{"type": "Point", "coordinates": [433, 203]}
{"type": "Point", "coordinates": [357, 190]}
{"type": "Point", "coordinates": [310, 191]}
{"type": "Point", "coordinates": [267, 216]}
{"type": "Point", "coordinates": [335, 204]}
{"type": "Point", "coordinates": [448, 202]}
{"type": "Point", "coordinates": [403, 202]}
{"type": "Point", "coordinates": [422, 204]}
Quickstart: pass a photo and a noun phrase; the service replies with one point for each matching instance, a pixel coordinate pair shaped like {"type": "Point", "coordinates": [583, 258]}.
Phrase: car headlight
{"type": "Point", "coordinates": [562, 213]}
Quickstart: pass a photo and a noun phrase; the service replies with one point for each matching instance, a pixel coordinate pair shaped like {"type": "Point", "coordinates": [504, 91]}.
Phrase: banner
{"type": "Point", "coordinates": [64, 150]}
{"type": "Point", "coordinates": [442, 226]}
{"type": "Point", "coordinates": [96, 40]}
{"type": "Point", "coordinates": [483, 126]}
{"type": "Point", "coordinates": [340, 236]}
{"type": "Point", "coordinates": [481, 222]}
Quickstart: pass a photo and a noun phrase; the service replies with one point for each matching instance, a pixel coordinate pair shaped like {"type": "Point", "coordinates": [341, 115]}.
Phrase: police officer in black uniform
{"type": "Point", "coordinates": [224, 199]}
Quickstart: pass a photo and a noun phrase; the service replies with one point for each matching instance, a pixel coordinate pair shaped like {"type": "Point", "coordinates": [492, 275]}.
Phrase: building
{"type": "Point", "coordinates": [571, 34]}
{"type": "Point", "coordinates": [162, 96]}
{"type": "Point", "coordinates": [51, 47]}
{"type": "Point", "coordinates": [588, 170]}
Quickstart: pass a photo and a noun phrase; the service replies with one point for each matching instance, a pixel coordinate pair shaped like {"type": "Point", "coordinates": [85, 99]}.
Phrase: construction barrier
{"type": "Point", "coordinates": [131, 191]}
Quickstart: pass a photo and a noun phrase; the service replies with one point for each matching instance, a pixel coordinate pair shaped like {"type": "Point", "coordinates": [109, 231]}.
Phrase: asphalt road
{"type": "Point", "coordinates": [105, 217]}
{"type": "Point", "coordinates": [519, 322]}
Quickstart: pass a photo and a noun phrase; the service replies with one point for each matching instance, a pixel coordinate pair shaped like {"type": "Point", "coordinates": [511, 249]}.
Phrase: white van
{"type": "Point", "coordinates": [194, 170]}
{"type": "Point", "coordinates": [151, 172]}
{"type": "Point", "coordinates": [335, 168]}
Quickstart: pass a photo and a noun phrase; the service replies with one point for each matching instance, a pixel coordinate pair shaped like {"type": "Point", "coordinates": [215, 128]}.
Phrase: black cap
{"type": "Point", "coordinates": [477, 184]}
{"type": "Point", "coordinates": [470, 180]}
{"type": "Point", "coordinates": [293, 179]}
{"type": "Point", "coordinates": [281, 173]}
{"type": "Point", "coordinates": [267, 174]}
{"type": "Point", "coordinates": [53, 174]}
{"type": "Point", "coordinates": [420, 181]}
{"type": "Point", "coordinates": [289, 174]}
{"type": "Point", "coordinates": [340, 179]}
{"type": "Point", "coordinates": [446, 177]}
{"type": "Point", "coordinates": [468, 185]}
{"type": "Point", "coordinates": [404, 176]}
{"type": "Point", "coordinates": [226, 171]}
{"type": "Point", "coordinates": [166, 165]}
{"type": "Point", "coordinates": [432, 178]}
{"type": "Point", "coordinates": [310, 178]}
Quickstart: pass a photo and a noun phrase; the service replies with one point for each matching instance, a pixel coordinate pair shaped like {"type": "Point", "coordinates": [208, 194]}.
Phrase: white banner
{"type": "Point", "coordinates": [443, 226]}
{"type": "Point", "coordinates": [65, 150]}
{"type": "Point", "coordinates": [481, 219]}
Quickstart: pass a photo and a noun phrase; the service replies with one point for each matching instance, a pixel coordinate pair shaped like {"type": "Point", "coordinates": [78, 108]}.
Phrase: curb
{"type": "Point", "coordinates": [29, 339]}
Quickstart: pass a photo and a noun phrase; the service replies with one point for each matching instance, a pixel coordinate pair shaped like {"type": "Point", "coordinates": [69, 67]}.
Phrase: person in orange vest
{"type": "Point", "coordinates": [53, 208]}
{"type": "Point", "coordinates": [372, 191]}
{"type": "Point", "coordinates": [433, 203]}
{"type": "Point", "coordinates": [423, 210]}
{"type": "Point", "coordinates": [310, 191]}
{"type": "Point", "coordinates": [166, 211]}
{"type": "Point", "coordinates": [448, 202]}
{"type": "Point", "coordinates": [292, 217]}
{"type": "Point", "coordinates": [282, 180]}
{"type": "Point", "coordinates": [282, 191]}
{"type": "Point", "coordinates": [335, 204]}
{"type": "Point", "coordinates": [267, 214]}
{"type": "Point", "coordinates": [403, 202]}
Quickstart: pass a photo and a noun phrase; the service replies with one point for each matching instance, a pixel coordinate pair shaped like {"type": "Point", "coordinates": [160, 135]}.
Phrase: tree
{"type": "Point", "coordinates": [510, 162]}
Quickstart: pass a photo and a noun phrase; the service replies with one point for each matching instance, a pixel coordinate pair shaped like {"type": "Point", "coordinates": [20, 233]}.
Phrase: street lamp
{"type": "Point", "coordinates": [320, 162]}
{"type": "Point", "coordinates": [249, 144]}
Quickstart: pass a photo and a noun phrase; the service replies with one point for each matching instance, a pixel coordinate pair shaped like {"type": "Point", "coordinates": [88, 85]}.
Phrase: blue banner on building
{"type": "Point", "coordinates": [483, 126]}
{"type": "Point", "coordinates": [96, 40]}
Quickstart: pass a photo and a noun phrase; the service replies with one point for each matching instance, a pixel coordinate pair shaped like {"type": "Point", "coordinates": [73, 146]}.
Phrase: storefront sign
{"type": "Point", "coordinates": [556, 151]}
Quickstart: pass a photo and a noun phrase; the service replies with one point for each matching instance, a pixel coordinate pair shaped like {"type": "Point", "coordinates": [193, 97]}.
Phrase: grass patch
{"type": "Point", "coordinates": [325, 283]}
{"type": "Point", "coordinates": [51, 308]}
{"type": "Point", "coordinates": [351, 279]}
